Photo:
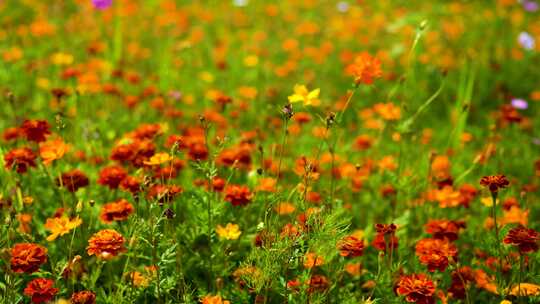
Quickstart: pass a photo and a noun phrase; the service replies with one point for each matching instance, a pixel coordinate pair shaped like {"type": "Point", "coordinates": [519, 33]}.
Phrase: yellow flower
{"type": "Point", "coordinates": [158, 159]}
{"type": "Point", "coordinates": [505, 302]}
{"type": "Point", "coordinates": [59, 226]}
{"type": "Point", "coordinates": [229, 232]}
{"type": "Point", "coordinates": [525, 289]}
{"type": "Point", "coordinates": [301, 93]}
{"type": "Point", "coordinates": [62, 59]}
{"type": "Point", "coordinates": [488, 202]}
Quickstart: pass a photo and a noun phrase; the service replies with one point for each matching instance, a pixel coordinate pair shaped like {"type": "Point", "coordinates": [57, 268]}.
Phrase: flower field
{"type": "Point", "coordinates": [298, 151]}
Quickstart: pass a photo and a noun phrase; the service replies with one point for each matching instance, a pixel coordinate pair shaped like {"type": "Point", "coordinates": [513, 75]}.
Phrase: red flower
{"type": "Point", "coordinates": [317, 283]}
{"type": "Point", "coordinates": [351, 246]}
{"type": "Point", "coordinates": [164, 193]}
{"type": "Point", "coordinates": [41, 290]}
{"type": "Point", "coordinates": [435, 253]}
{"type": "Point", "coordinates": [238, 195]}
{"type": "Point", "coordinates": [131, 184]}
{"type": "Point", "coordinates": [385, 238]}
{"type": "Point", "coordinates": [83, 297]}
{"type": "Point", "coordinates": [444, 229]}
{"type": "Point", "coordinates": [35, 130]}
{"type": "Point", "coordinates": [73, 180]}
{"type": "Point", "coordinates": [526, 239]}
{"type": "Point", "coordinates": [20, 159]}
{"type": "Point", "coordinates": [112, 176]}
{"type": "Point", "coordinates": [116, 211]}
{"type": "Point", "coordinates": [494, 182]}
{"type": "Point", "coordinates": [27, 257]}
{"type": "Point", "coordinates": [417, 288]}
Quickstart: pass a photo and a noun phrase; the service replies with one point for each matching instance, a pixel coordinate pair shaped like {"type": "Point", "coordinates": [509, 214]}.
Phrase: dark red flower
{"type": "Point", "coordinates": [524, 238]}
{"type": "Point", "coordinates": [238, 195]}
{"type": "Point", "coordinates": [35, 130]}
{"type": "Point", "coordinates": [83, 297]}
{"type": "Point", "coordinates": [112, 176]}
{"type": "Point", "coordinates": [494, 182]}
{"type": "Point", "coordinates": [73, 180]}
{"type": "Point", "coordinates": [435, 253]}
{"type": "Point", "coordinates": [40, 290]}
{"type": "Point", "coordinates": [444, 229]}
{"type": "Point", "coordinates": [20, 159]}
{"type": "Point", "coordinates": [27, 257]}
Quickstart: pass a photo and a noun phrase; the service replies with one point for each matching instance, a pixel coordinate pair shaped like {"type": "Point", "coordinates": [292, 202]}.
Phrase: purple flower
{"type": "Point", "coordinates": [526, 40]}
{"type": "Point", "coordinates": [102, 4]}
{"type": "Point", "coordinates": [536, 141]}
{"type": "Point", "coordinates": [342, 6]}
{"type": "Point", "coordinates": [530, 6]}
{"type": "Point", "coordinates": [519, 104]}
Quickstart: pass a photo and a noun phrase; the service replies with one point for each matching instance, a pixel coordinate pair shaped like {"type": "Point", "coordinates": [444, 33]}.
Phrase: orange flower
{"type": "Point", "coordinates": [365, 69]}
{"type": "Point", "coordinates": [106, 244]}
{"type": "Point", "coordinates": [494, 182]}
{"type": "Point", "coordinates": [388, 111]}
{"type": "Point", "coordinates": [312, 260]}
{"type": "Point", "coordinates": [285, 208]}
{"type": "Point", "coordinates": [83, 297]}
{"type": "Point", "coordinates": [27, 257]}
{"type": "Point", "coordinates": [61, 225]}
{"type": "Point", "coordinates": [116, 211]}
{"type": "Point", "coordinates": [52, 150]}
{"type": "Point", "coordinates": [214, 300]}
{"type": "Point", "coordinates": [435, 253]}
{"type": "Point", "coordinates": [351, 246]}
{"type": "Point", "coordinates": [417, 288]}
{"type": "Point", "coordinates": [444, 229]}
{"type": "Point", "coordinates": [41, 290]}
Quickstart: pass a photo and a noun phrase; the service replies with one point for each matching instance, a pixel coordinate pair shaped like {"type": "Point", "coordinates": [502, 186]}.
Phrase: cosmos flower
{"type": "Point", "coordinates": [27, 257]}
{"type": "Point", "coordinates": [520, 104]}
{"type": "Point", "coordinates": [229, 232]}
{"type": "Point", "coordinates": [158, 159]}
{"type": "Point", "coordinates": [209, 299]}
{"type": "Point", "coordinates": [365, 69]}
{"type": "Point", "coordinates": [40, 290]}
{"type": "Point", "coordinates": [52, 150]}
{"type": "Point", "coordinates": [526, 41]}
{"type": "Point", "coordinates": [302, 94]}
{"type": "Point", "coordinates": [102, 4]}
{"type": "Point", "coordinates": [59, 226]}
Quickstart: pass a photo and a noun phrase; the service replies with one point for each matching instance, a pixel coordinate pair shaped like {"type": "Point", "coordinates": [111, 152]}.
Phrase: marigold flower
{"type": "Point", "coordinates": [308, 98]}
{"type": "Point", "coordinates": [444, 229]}
{"type": "Point", "coordinates": [238, 195]}
{"type": "Point", "coordinates": [35, 130]}
{"type": "Point", "coordinates": [83, 297]}
{"type": "Point", "coordinates": [351, 246]}
{"type": "Point", "coordinates": [106, 244]}
{"type": "Point", "coordinates": [525, 290]}
{"type": "Point", "coordinates": [417, 288]}
{"type": "Point", "coordinates": [112, 176]}
{"type": "Point", "coordinates": [116, 211]}
{"type": "Point", "coordinates": [229, 232]}
{"type": "Point", "coordinates": [494, 182]}
{"type": "Point", "coordinates": [73, 180]}
{"type": "Point", "coordinates": [365, 69]}
{"type": "Point", "coordinates": [164, 193]}
{"type": "Point", "coordinates": [40, 290]}
{"type": "Point", "coordinates": [317, 283]}
{"type": "Point", "coordinates": [435, 253]}
{"type": "Point", "coordinates": [27, 257]}
{"type": "Point", "coordinates": [524, 238]}
{"type": "Point", "coordinates": [20, 159]}
{"type": "Point", "coordinates": [59, 226]}
{"type": "Point", "coordinates": [52, 150]}
{"type": "Point", "coordinates": [131, 184]}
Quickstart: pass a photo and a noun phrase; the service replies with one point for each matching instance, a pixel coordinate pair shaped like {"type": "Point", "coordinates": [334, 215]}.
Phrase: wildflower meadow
{"type": "Point", "coordinates": [250, 151]}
